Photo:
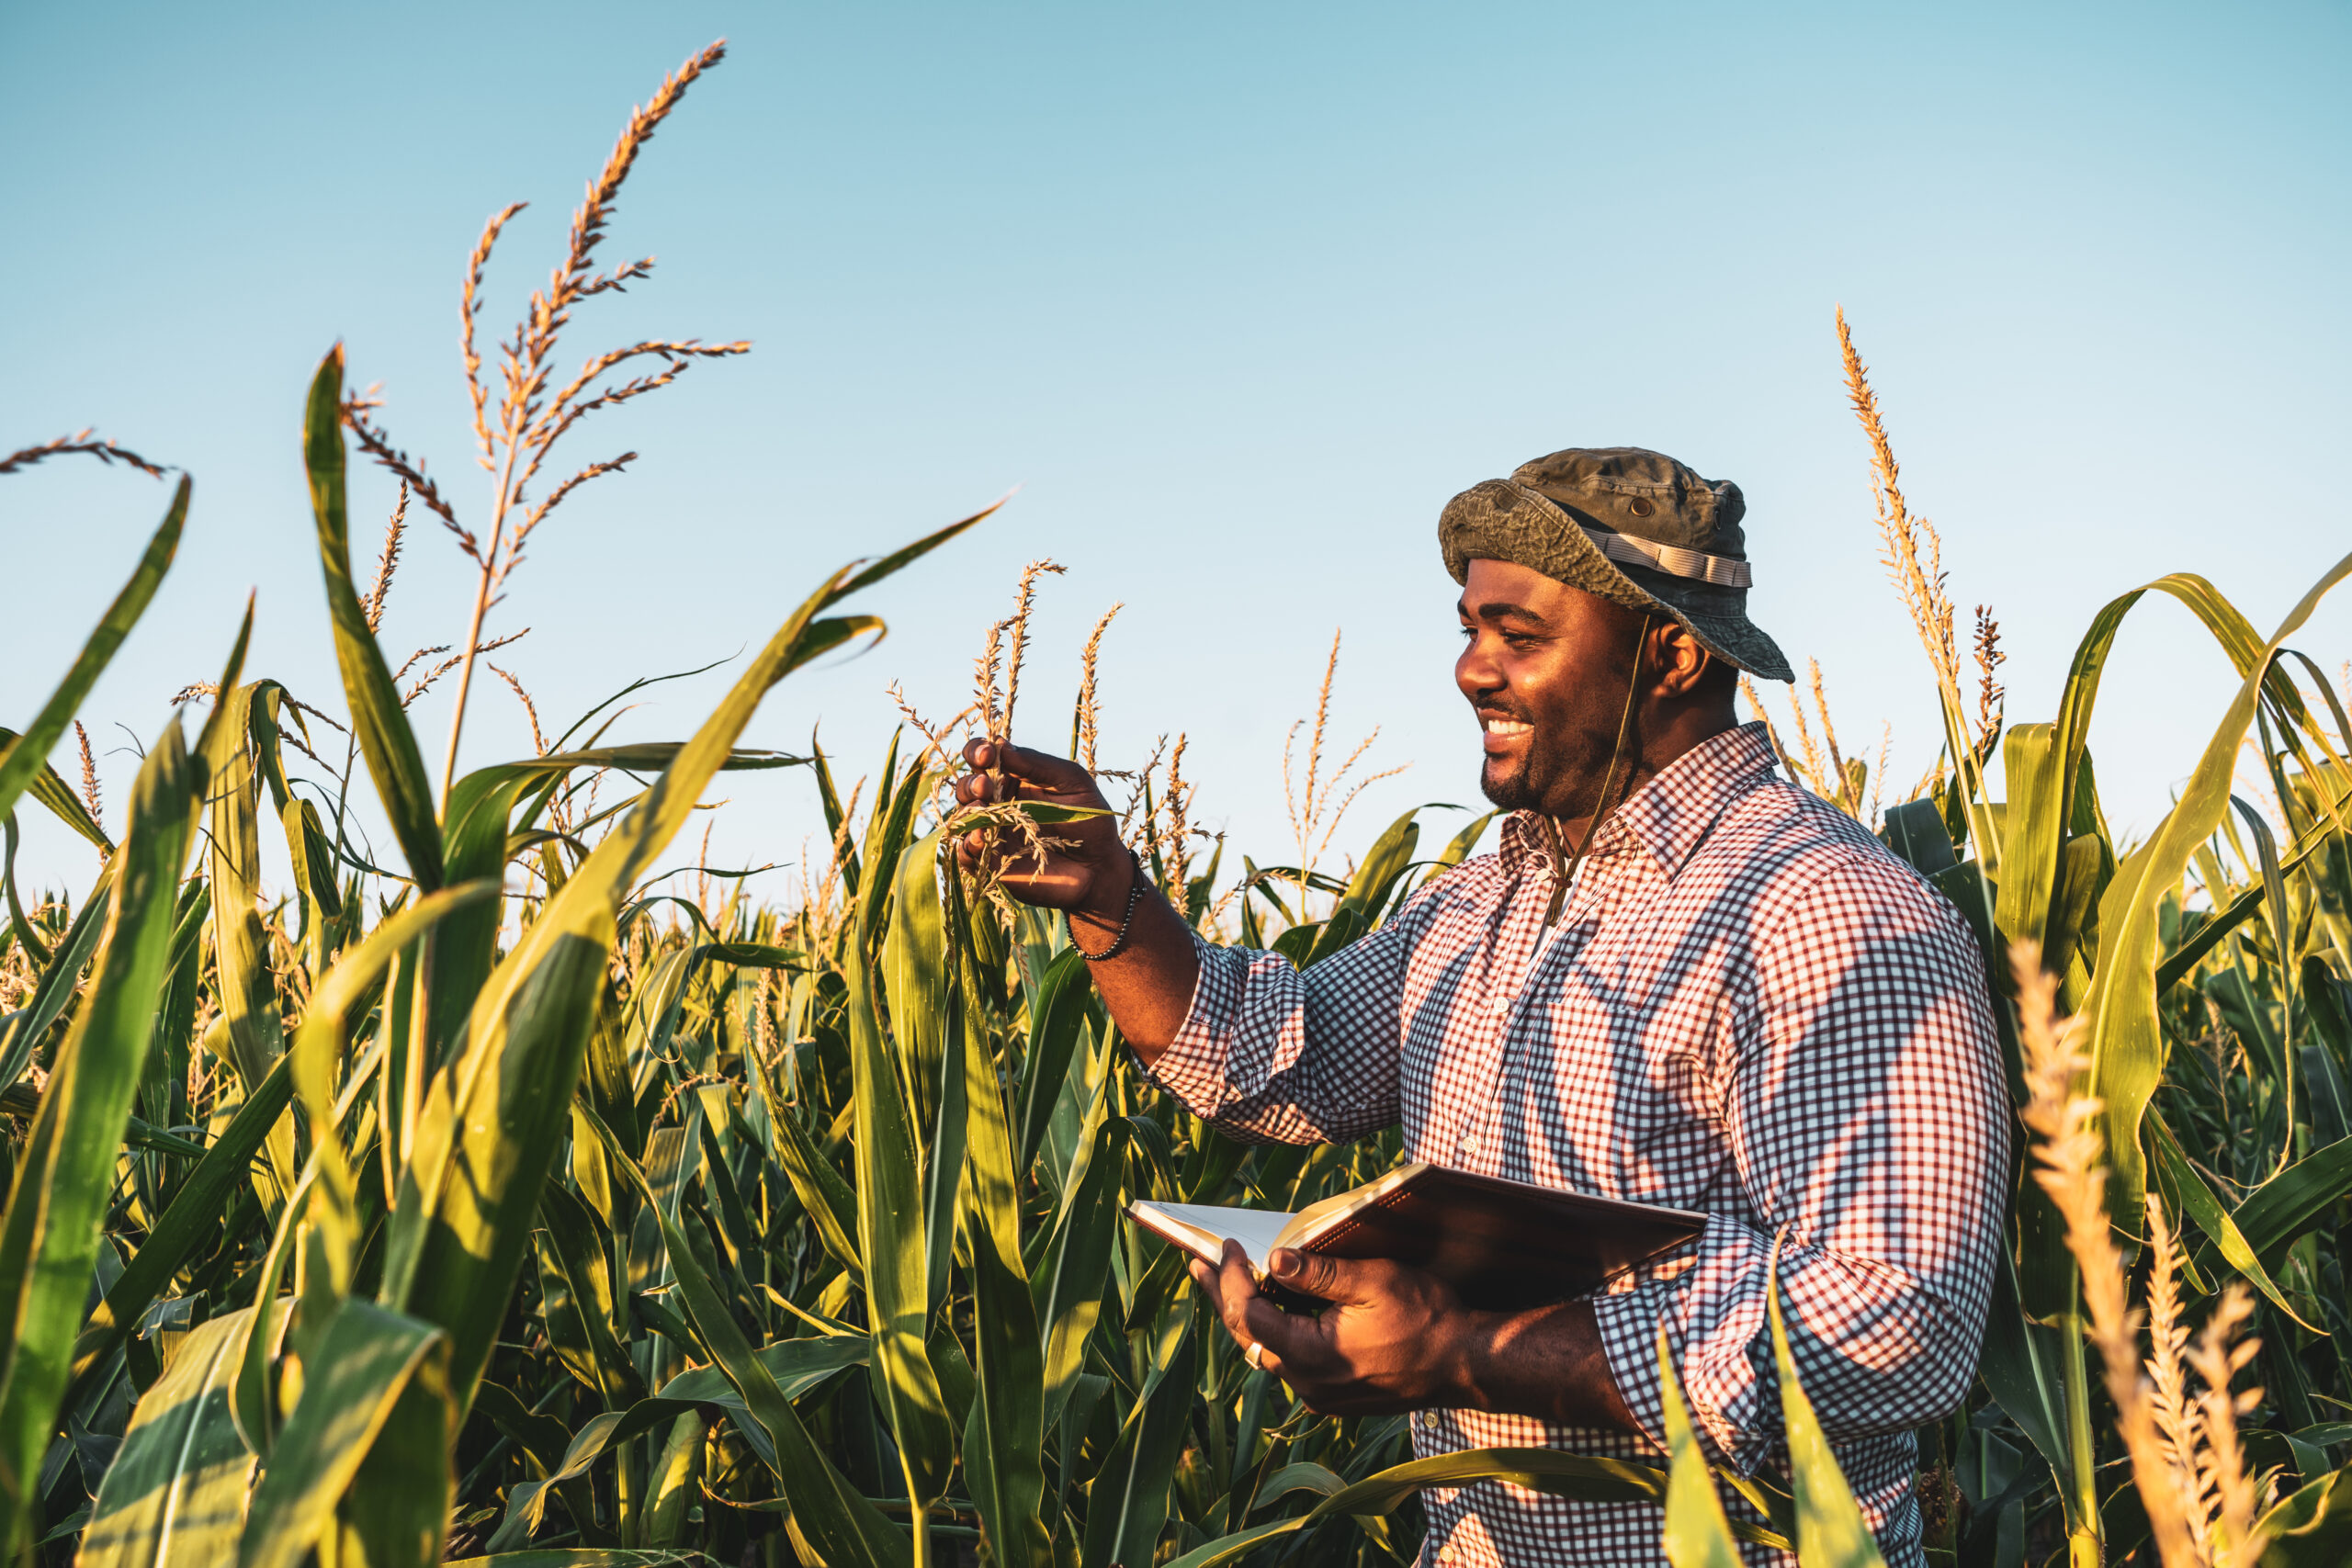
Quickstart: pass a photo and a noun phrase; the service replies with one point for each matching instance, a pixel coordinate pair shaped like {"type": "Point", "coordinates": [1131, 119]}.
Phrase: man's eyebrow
{"type": "Point", "coordinates": [1501, 610]}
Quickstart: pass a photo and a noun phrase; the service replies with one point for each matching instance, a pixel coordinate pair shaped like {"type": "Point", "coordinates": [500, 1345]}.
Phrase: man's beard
{"type": "Point", "coordinates": [1560, 775]}
{"type": "Point", "coordinates": [1549, 757]}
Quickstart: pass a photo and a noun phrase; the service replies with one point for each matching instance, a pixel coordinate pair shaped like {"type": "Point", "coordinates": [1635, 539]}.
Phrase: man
{"type": "Point", "coordinates": [1678, 981]}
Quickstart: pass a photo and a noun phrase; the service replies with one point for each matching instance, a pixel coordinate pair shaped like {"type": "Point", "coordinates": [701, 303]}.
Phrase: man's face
{"type": "Point", "coordinates": [1545, 666]}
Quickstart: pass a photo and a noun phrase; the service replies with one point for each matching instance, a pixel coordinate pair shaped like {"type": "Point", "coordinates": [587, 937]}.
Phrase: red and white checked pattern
{"type": "Point", "coordinates": [1752, 1009]}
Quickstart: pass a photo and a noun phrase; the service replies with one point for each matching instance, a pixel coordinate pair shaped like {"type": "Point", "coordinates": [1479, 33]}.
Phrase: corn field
{"type": "Point", "coordinates": [486, 1203]}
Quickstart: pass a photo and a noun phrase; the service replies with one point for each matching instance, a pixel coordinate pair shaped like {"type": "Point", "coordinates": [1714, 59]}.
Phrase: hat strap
{"type": "Point", "coordinates": [1721, 571]}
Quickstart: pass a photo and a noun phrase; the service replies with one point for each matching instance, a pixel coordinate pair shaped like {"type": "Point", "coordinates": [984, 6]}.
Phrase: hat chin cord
{"type": "Point", "coordinates": [1609, 777]}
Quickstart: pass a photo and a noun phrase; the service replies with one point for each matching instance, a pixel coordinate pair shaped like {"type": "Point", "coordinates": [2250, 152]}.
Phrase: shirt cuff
{"type": "Point", "coordinates": [1715, 1329]}
{"type": "Point", "coordinates": [1193, 1067]}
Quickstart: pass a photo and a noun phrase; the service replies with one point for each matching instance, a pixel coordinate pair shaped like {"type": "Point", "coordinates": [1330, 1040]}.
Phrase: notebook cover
{"type": "Point", "coordinates": [1506, 1245]}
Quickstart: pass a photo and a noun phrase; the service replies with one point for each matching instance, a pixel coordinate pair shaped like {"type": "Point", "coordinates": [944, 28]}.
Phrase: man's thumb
{"type": "Point", "coordinates": [1311, 1274]}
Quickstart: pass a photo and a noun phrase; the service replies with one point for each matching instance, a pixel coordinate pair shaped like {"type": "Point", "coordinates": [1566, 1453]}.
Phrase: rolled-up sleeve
{"type": "Point", "coordinates": [1869, 1126]}
{"type": "Point", "coordinates": [1272, 1054]}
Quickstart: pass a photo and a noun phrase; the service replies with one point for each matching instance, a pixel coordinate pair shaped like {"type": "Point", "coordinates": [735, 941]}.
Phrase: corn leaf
{"type": "Point", "coordinates": [48, 1238]}
{"type": "Point", "coordinates": [847, 1529]}
{"type": "Point", "coordinates": [174, 1497]}
{"type": "Point", "coordinates": [1004, 1436]}
{"type": "Point", "coordinates": [1830, 1530]}
{"type": "Point", "coordinates": [2125, 1042]}
{"type": "Point", "coordinates": [377, 719]}
{"type": "Point", "coordinates": [367, 1357]}
{"type": "Point", "coordinates": [891, 1238]}
{"type": "Point", "coordinates": [1697, 1534]}
{"type": "Point", "coordinates": [54, 793]}
{"type": "Point", "coordinates": [59, 978]}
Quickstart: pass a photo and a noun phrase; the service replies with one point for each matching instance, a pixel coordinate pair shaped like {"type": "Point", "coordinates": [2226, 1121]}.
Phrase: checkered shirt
{"type": "Point", "coordinates": [1750, 1009]}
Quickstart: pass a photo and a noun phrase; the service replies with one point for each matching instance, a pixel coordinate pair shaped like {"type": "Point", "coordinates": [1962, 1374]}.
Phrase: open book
{"type": "Point", "coordinates": [1499, 1243]}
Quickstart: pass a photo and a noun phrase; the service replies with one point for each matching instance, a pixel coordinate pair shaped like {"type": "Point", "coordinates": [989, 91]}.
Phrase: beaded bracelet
{"type": "Point", "coordinates": [1126, 922]}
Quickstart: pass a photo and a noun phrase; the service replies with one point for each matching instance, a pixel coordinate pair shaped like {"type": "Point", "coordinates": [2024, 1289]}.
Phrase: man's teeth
{"type": "Point", "coordinates": [1507, 727]}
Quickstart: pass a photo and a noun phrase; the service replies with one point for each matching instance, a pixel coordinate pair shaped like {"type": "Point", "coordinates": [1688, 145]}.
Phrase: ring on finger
{"type": "Point", "coordinates": [1255, 1355]}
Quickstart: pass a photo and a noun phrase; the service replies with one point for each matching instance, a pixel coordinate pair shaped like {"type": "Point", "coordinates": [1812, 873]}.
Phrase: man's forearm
{"type": "Point", "coordinates": [1548, 1363]}
{"type": "Point", "coordinates": [1149, 987]}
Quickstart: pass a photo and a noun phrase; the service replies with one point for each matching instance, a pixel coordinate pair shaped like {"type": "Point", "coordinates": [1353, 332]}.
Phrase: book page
{"type": "Point", "coordinates": [1255, 1229]}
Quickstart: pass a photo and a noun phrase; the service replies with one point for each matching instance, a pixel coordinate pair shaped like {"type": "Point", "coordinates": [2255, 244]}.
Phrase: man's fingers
{"type": "Point", "coordinates": [1052, 774]}
{"type": "Point", "coordinates": [1326, 1279]}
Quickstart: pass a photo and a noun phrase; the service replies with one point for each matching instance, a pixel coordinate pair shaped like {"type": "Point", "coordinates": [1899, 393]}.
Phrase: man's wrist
{"type": "Point", "coordinates": [1465, 1357]}
{"type": "Point", "coordinates": [1108, 895]}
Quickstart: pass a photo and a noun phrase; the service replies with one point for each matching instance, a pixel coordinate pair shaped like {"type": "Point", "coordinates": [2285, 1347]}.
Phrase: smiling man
{"type": "Point", "coordinates": [1680, 981]}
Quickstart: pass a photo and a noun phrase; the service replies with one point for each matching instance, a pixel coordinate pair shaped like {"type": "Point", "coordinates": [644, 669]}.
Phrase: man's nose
{"type": "Point", "coordinates": [1475, 673]}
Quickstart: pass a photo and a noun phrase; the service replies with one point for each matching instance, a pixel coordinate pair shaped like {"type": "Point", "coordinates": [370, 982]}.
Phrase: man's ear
{"type": "Point", "coordinates": [1681, 664]}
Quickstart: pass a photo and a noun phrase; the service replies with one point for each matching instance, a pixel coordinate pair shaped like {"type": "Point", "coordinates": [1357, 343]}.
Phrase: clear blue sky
{"type": "Point", "coordinates": [1239, 293]}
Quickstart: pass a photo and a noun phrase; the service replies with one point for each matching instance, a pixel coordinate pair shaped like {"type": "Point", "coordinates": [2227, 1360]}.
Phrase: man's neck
{"type": "Point", "coordinates": [1665, 741]}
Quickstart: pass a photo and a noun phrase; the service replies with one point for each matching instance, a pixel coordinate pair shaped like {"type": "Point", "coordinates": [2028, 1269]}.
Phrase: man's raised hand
{"type": "Point", "coordinates": [1088, 870]}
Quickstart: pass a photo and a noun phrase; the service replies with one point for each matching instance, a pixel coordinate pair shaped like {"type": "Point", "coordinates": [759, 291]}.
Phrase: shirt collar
{"type": "Point", "coordinates": [1667, 817]}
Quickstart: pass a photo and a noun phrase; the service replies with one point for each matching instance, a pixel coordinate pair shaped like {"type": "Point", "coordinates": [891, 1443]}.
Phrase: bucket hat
{"type": "Point", "coordinates": [1632, 526]}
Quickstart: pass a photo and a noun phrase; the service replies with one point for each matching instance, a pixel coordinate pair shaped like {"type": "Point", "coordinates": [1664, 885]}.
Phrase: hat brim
{"type": "Point", "coordinates": [1502, 519]}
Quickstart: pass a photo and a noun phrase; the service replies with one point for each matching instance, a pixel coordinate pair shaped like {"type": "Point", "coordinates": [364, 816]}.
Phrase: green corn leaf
{"type": "Point", "coordinates": [829, 1202]}
{"type": "Point", "coordinates": [26, 930]}
{"type": "Point", "coordinates": [24, 757]}
{"type": "Point", "coordinates": [1004, 1436]}
{"type": "Point", "coordinates": [829, 798]}
{"type": "Point", "coordinates": [246, 989]}
{"type": "Point", "coordinates": [2193, 1197]}
{"type": "Point", "coordinates": [1830, 1530]}
{"type": "Point", "coordinates": [2309, 1528]}
{"type": "Point", "coordinates": [914, 970]}
{"type": "Point", "coordinates": [1071, 1285]}
{"type": "Point", "coordinates": [51, 790]}
{"type": "Point", "coordinates": [253, 1396]}
{"type": "Point", "coordinates": [377, 718]}
{"type": "Point", "coordinates": [58, 979]}
{"type": "Point", "coordinates": [583, 1557]}
{"type": "Point", "coordinates": [187, 1225]}
{"type": "Point", "coordinates": [847, 1529]}
{"type": "Point", "coordinates": [2283, 1208]}
{"type": "Point", "coordinates": [367, 1357]}
{"type": "Point", "coordinates": [324, 1039]}
{"type": "Point", "coordinates": [1458, 848]}
{"type": "Point", "coordinates": [914, 975]}
{"type": "Point", "coordinates": [1128, 1506]}
{"type": "Point", "coordinates": [884, 840]}
{"type": "Point", "coordinates": [2021, 1381]}
{"type": "Point", "coordinates": [1055, 1025]}
{"type": "Point", "coordinates": [571, 1249]}
{"type": "Point", "coordinates": [526, 1503]}
{"type": "Point", "coordinates": [49, 1237]}
{"type": "Point", "coordinates": [2119, 1013]}
{"type": "Point", "coordinates": [1390, 855]}
{"type": "Point", "coordinates": [174, 1497]}
{"type": "Point", "coordinates": [890, 1237]}
{"type": "Point", "coordinates": [395, 1514]}
{"type": "Point", "coordinates": [1697, 1534]}
{"type": "Point", "coordinates": [799, 1367]}
{"type": "Point", "coordinates": [2175, 969]}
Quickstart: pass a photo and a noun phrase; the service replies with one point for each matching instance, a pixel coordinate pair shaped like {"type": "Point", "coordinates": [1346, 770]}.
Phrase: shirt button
{"type": "Point", "coordinates": [1428, 1420]}
{"type": "Point", "coordinates": [1446, 1553]}
{"type": "Point", "coordinates": [1470, 1144]}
